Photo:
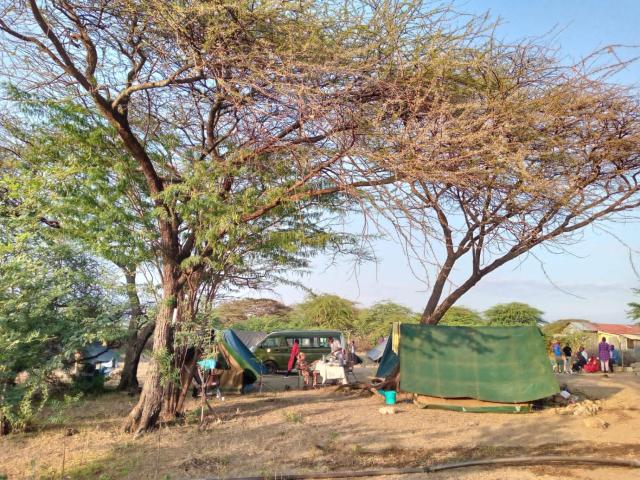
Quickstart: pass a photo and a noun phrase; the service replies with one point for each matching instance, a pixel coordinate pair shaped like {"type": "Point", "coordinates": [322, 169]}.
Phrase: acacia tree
{"type": "Point", "coordinates": [463, 317]}
{"type": "Point", "coordinates": [48, 190]}
{"type": "Point", "coordinates": [375, 322]}
{"type": "Point", "coordinates": [264, 101]}
{"type": "Point", "coordinates": [278, 110]}
{"type": "Point", "coordinates": [550, 150]}
{"type": "Point", "coordinates": [513, 314]}
{"type": "Point", "coordinates": [327, 311]}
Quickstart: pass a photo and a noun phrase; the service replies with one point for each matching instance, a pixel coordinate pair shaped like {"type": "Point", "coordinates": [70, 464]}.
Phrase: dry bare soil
{"type": "Point", "coordinates": [281, 431]}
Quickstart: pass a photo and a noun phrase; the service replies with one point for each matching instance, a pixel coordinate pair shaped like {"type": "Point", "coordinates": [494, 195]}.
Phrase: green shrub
{"type": "Point", "coordinates": [89, 384]}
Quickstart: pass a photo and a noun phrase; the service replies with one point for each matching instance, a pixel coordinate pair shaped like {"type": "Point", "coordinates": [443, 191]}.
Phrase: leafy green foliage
{"type": "Point", "coordinates": [375, 322]}
{"type": "Point", "coordinates": [92, 384]}
{"type": "Point", "coordinates": [366, 324]}
{"type": "Point", "coordinates": [54, 300]}
{"type": "Point", "coordinates": [268, 323]}
{"type": "Point", "coordinates": [575, 340]}
{"type": "Point", "coordinates": [317, 312]}
{"type": "Point", "coordinates": [327, 311]}
{"type": "Point", "coordinates": [462, 317]}
{"type": "Point", "coordinates": [513, 314]}
{"type": "Point", "coordinates": [169, 374]}
{"type": "Point", "coordinates": [71, 170]}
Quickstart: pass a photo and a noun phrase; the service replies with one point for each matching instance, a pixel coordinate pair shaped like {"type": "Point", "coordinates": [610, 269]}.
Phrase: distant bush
{"type": "Point", "coordinates": [89, 384]}
{"type": "Point", "coordinates": [513, 314]}
{"type": "Point", "coordinates": [376, 321]}
{"type": "Point", "coordinates": [462, 317]}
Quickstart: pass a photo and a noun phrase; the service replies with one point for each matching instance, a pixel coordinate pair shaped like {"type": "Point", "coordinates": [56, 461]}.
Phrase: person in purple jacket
{"type": "Point", "coordinates": [603, 354]}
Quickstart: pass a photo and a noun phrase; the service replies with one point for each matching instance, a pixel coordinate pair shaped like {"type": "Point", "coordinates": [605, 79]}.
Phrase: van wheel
{"type": "Point", "coordinates": [270, 366]}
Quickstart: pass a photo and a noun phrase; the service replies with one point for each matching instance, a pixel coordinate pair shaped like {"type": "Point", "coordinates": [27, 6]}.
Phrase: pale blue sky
{"type": "Point", "coordinates": [598, 268]}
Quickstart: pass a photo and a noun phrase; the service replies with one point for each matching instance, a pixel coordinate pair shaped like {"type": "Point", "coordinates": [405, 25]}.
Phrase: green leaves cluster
{"type": "Point", "coordinates": [70, 169]}
{"type": "Point", "coordinates": [462, 317]}
{"type": "Point", "coordinates": [513, 314]}
{"type": "Point", "coordinates": [376, 321]}
{"type": "Point", "coordinates": [54, 300]}
{"type": "Point", "coordinates": [334, 312]}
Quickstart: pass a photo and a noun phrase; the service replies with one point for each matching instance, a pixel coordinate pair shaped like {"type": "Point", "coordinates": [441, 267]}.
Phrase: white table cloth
{"type": "Point", "coordinates": [329, 371]}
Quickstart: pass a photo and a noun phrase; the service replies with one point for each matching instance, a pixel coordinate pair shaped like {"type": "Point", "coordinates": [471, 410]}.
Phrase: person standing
{"type": "Point", "coordinates": [293, 356]}
{"type": "Point", "coordinates": [352, 352]}
{"type": "Point", "coordinates": [336, 349]}
{"type": "Point", "coordinates": [557, 353]}
{"type": "Point", "coordinates": [566, 352]}
{"type": "Point", "coordinates": [614, 357]}
{"type": "Point", "coordinates": [603, 354]}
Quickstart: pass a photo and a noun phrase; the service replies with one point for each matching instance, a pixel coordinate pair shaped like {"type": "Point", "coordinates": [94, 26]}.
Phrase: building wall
{"type": "Point", "coordinates": [629, 355]}
{"type": "Point", "coordinates": [629, 349]}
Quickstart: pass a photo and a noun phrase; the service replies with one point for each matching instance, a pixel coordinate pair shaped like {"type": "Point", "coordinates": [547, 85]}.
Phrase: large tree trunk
{"type": "Point", "coordinates": [185, 356]}
{"type": "Point", "coordinates": [147, 411]}
{"type": "Point", "coordinates": [187, 373]}
{"type": "Point", "coordinates": [129, 376]}
{"type": "Point", "coordinates": [5, 427]}
{"type": "Point", "coordinates": [432, 313]}
{"type": "Point", "coordinates": [136, 337]}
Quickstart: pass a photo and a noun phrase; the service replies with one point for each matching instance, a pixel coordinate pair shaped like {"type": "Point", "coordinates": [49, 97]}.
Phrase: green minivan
{"type": "Point", "coordinates": [275, 349]}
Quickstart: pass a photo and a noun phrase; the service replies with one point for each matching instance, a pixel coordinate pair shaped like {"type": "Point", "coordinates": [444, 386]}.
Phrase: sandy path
{"type": "Point", "coordinates": [283, 431]}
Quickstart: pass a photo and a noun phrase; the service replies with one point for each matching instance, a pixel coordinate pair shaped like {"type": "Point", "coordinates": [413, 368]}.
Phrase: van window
{"type": "Point", "coordinates": [306, 342]}
{"type": "Point", "coordinates": [271, 342]}
{"type": "Point", "coordinates": [322, 341]}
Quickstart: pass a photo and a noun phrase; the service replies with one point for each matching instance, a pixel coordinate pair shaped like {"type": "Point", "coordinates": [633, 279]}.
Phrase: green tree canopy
{"type": "Point", "coordinates": [54, 300]}
{"type": "Point", "coordinates": [326, 311]}
{"type": "Point", "coordinates": [462, 317]}
{"type": "Point", "coordinates": [513, 314]}
{"type": "Point", "coordinates": [268, 324]}
{"type": "Point", "coordinates": [375, 321]}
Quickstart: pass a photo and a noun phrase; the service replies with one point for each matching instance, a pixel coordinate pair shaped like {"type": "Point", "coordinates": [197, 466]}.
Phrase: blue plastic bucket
{"type": "Point", "coordinates": [389, 397]}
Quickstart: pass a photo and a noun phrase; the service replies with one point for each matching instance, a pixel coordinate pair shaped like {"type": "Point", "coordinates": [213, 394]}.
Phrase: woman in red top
{"type": "Point", "coordinates": [295, 349]}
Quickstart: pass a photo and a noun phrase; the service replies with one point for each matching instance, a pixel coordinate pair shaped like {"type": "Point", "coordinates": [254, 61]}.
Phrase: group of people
{"type": "Point", "coordinates": [607, 357]}
{"type": "Point", "coordinates": [298, 359]}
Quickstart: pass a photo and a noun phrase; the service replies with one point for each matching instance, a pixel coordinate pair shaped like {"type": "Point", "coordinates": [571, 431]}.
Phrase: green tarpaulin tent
{"type": "Point", "coordinates": [237, 366]}
{"type": "Point", "coordinates": [495, 364]}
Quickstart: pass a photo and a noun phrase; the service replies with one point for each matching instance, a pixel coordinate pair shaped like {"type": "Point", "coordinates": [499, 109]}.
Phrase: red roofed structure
{"type": "Point", "coordinates": [617, 329]}
{"type": "Point", "coordinates": [625, 338]}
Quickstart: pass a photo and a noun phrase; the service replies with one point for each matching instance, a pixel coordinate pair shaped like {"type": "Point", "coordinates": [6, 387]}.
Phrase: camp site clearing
{"type": "Point", "coordinates": [284, 429]}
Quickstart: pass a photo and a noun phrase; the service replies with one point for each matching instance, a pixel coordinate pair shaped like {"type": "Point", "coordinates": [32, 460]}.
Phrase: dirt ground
{"type": "Point", "coordinates": [280, 431]}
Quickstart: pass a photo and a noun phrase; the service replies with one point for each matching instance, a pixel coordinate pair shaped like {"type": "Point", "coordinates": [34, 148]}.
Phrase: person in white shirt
{"type": "Point", "coordinates": [336, 349]}
{"type": "Point", "coordinates": [584, 353]}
